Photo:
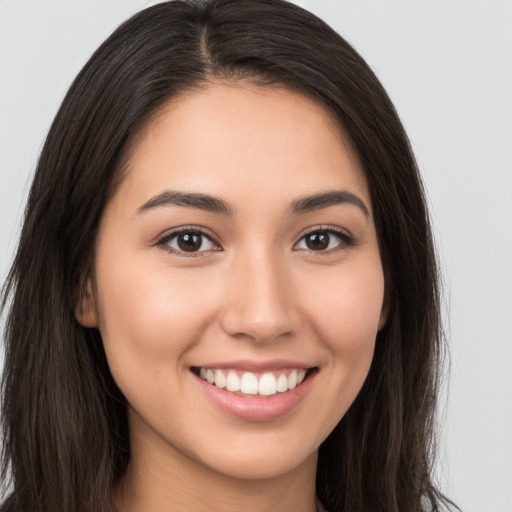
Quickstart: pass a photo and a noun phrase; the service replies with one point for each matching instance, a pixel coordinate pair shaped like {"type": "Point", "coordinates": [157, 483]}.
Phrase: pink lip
{"type": "Point", "coordinates": [256, 408]}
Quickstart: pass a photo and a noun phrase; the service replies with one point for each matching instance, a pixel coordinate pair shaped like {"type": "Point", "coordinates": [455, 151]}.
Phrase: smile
{"type": "Point", "coordinates": [254, 383]}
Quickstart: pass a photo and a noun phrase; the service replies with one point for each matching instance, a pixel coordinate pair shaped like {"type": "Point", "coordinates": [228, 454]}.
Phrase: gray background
{"type": "Point", "coordinates": [447, 66]}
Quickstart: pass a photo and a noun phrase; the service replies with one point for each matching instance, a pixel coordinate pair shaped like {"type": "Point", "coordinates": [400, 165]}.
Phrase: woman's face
{"type": "Point", "coordinates": [239, 250]}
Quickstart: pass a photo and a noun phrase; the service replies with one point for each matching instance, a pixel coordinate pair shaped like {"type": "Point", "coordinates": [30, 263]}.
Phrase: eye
{"type": "Point", "coordinates": [324, 240]}
{"type": "Point", "coordinates": [188, 241]}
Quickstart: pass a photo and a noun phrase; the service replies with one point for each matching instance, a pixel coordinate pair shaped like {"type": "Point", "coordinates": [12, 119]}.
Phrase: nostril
{"type": "Point", "coordinates": [260, 305]}
{"type": "Point", "coordinates": [258, 328]}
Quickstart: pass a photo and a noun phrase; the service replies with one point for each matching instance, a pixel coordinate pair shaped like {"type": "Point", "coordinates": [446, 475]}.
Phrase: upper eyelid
{"type": "Point", "coordinates": [169, 234]}
{"type": "Point", "coordinates": [328, 228]}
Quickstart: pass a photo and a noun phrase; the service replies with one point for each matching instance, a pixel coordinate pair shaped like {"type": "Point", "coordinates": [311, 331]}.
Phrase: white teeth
{"type": "Point", "coordinates": [292, 380]}
{"type": "Point", "coordinates": [267, 385]}
{"type": "Point", "coordinates": [220, 380]}
{"type": "Point", "coordinates": [282, 383]}
{"type": "Point", "coordinates": [249, 384]}
{"type": "Point", "coordinates": [233, 382]}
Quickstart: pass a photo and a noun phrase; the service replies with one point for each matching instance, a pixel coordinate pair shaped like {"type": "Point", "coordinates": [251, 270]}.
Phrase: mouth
{"type": "Point", "coordinates": [255, 391]}
{"type": "Point", "coordinates": [254, 384]}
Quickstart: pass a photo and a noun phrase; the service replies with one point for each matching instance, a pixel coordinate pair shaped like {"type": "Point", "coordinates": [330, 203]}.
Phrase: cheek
{"type": "Point", "coordinates": [149, 315]}
{"type": "Point", "coordinates": [345, 308]}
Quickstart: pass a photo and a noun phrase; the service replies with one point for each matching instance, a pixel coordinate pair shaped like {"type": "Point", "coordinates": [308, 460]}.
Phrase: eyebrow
{"type": "Point", "coordinates": [188, 199]}
{"type": "Point", "coordinates": [213, 204]}
{"type": "Point", "coordinates": [326, 199]}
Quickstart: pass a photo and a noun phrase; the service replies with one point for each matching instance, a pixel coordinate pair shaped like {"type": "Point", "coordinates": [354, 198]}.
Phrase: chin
{"type": "Point", "coordinates": [265, 458]}
{"type": "Point", "coordinates": [264, 465]}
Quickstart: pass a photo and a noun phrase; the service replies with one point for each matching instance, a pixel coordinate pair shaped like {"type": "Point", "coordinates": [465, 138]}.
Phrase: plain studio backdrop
{"type": "Point", "coordinates": [447, 65]}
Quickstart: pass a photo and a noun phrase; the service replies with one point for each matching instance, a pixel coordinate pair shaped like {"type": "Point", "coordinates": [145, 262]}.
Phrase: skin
{"type": "Point", "coordinates": [257, 293]}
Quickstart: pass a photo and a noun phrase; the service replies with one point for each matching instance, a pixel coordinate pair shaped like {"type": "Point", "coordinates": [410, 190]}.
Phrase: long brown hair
{"type": "Point", "coordinates": [65, 437]}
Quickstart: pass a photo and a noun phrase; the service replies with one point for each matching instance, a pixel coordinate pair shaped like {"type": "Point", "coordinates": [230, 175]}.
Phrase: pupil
{"type": "Point", "coordinates": [318, 241]}
{"type": "Point", "coordinates": [189, 242]}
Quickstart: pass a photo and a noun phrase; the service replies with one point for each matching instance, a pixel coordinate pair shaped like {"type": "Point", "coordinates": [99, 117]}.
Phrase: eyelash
{"type": "Point", "coordinates": [166, 238]}
{"type": "Point", "coordinates": [346, 240]}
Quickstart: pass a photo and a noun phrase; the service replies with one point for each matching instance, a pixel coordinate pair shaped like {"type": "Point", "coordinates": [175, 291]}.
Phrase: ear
{"type": "Point", "coordinates": [85, 310]}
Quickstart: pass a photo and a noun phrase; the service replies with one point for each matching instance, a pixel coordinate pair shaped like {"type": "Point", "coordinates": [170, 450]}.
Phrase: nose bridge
{"type": "Point", "coordinates": [259, 302]}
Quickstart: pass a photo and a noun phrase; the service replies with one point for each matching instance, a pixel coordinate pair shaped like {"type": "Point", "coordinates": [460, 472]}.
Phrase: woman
{"type": "Point", "coordinates": [225, 293]}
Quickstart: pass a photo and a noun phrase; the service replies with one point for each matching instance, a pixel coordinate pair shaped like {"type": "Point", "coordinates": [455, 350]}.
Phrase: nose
{"type": "Point", "coordinates": [260, 300]}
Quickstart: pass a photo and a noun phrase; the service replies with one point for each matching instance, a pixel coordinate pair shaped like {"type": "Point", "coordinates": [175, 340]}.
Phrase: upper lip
{"type": "Point", "coordinates": [256, 366]}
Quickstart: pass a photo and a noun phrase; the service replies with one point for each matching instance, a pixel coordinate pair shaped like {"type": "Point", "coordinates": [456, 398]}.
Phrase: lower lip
{"type": "Point", "coordinates": [256, 408]}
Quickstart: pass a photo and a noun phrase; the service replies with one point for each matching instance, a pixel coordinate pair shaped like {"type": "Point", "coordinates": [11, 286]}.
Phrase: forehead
{"type": "Point", "coordinates": [227, 138]}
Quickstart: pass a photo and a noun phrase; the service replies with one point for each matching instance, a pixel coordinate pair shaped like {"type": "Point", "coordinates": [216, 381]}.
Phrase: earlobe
{"type": "Point", "coordinates": [85, 310]}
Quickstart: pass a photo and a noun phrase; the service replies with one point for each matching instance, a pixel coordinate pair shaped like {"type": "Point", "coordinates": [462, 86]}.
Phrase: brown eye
{"type": "Point", "coordinates": [324, 240]}
{"type": "Point", "coordinates": [317, 241]}
{"type": "Point", "coordinates": [189, 242]}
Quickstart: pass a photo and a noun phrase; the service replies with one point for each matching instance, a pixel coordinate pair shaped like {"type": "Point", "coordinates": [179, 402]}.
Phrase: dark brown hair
{"type": "Point", "coordinates": [64, 419]}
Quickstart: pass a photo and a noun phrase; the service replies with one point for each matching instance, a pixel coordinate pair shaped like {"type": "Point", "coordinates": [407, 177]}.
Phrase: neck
{"type": "Point", "coordinates": [169, 480]}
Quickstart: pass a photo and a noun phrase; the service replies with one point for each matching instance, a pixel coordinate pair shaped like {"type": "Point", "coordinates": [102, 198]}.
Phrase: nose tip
{"type": "Point", "coordinates": [260, 327]}
{"type": "Point", "coordinates": [260, 306]}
